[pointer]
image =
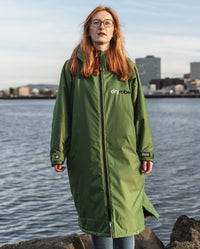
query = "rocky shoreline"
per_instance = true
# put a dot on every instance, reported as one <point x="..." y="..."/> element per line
<point x="185" y="235"/>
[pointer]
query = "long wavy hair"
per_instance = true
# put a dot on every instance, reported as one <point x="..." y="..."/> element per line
<point x="116" y="60"/>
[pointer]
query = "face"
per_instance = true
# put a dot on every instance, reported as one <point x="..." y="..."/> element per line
<point x="101" y="35"/>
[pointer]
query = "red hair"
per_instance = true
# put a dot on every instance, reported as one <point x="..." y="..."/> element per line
<point x="117" y="61"/>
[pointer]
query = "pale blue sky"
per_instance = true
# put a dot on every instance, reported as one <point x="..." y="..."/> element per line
<point x="37" y="36"/>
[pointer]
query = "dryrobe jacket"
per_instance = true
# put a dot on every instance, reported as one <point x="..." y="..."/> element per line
<point x="100" y="125"/>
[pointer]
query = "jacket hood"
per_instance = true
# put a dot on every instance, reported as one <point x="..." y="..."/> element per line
<point x="103" y="55"/>
<point x="81" y="56"/>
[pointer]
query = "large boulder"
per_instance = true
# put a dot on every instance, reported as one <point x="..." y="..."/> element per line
<point x="75" y="241"/>
<point x="185" y="234"/>
<point x="145" y="240"/>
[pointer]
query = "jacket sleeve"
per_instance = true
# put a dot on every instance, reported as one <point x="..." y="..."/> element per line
<point x="60" y="135"/>
<point x="142" y="124"/>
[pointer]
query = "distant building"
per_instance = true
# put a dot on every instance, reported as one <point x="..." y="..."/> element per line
<point x="186" y="76"/>
<point x="35" y="91"/>
<point x="155" y="84"/>
<point x="149" y="68"/>
<point x="4" y="93"/>
<point x="167" y="83"/>
<point x="48" y="92"/>
<point x="24" y="91"/>
<point x="13" y="92"/>
<point x="194" y="70"/>
<point x="194" y="86"/>
<point x="20" y="91"/>
<point x="179" y="88"/>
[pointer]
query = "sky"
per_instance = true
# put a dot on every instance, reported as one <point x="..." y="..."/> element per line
<point x="38" y="36"/>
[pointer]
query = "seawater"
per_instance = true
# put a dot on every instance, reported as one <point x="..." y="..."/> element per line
<point x="36" y="202"/>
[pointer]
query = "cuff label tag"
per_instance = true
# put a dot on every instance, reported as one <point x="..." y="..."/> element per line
<point x="145" y="154"/>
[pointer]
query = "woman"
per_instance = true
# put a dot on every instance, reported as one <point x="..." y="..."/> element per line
<point x="100" y="125"/>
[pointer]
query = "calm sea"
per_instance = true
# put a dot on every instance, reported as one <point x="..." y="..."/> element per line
<point x="35" y="201"/>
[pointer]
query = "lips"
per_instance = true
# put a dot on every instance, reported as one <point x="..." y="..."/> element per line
<point x="102" y="34"/>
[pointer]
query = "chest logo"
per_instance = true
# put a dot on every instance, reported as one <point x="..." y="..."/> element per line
<point x="114" y="91"/>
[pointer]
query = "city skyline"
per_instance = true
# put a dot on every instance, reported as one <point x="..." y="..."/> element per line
<point x="37" y="37"/>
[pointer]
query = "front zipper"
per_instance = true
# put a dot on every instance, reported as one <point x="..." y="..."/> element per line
<point x="103" y="138"/>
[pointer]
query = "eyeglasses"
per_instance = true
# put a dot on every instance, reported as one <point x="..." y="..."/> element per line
<point x="107" y="23"/>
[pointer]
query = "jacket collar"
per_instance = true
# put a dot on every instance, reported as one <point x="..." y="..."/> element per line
<point x="81" y="57"/>
<point x="103" y="55"/>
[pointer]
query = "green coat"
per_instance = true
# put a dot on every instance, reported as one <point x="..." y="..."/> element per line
<point x="100" y="124"/>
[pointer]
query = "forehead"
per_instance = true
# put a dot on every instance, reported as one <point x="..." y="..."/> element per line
<point x="102" y="15"/>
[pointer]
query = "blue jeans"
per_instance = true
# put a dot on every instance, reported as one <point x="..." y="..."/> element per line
<point x="116" y="243"/>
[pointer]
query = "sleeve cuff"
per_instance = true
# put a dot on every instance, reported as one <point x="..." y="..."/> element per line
<point x="146" y="156"/>
<point x="57" y="158"/>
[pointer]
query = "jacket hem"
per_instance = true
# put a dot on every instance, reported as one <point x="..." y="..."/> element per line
<point x="129" y="234"/>
<point x="96" y="233"/>
<point x="148" y="209"/>
<point x="109" y="234"/>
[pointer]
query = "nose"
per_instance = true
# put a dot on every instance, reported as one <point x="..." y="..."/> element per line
<point x="101" y="26"/>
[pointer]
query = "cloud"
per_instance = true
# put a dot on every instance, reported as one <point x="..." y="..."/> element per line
<point x="38" y="36"/>
<point x="176" y="52"/>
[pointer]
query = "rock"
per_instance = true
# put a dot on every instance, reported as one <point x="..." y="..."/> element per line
<point x="75" y="241"/>
<point x="145" y="240"/>
<point x="185" y="234"/>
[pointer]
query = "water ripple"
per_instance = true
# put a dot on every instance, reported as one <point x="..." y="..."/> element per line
<point x="36" y="201"/>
